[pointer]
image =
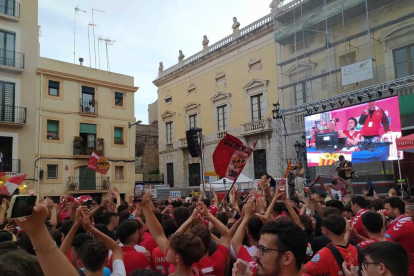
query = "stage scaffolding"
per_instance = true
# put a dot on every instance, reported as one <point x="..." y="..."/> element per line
<point x="314" y="39"/>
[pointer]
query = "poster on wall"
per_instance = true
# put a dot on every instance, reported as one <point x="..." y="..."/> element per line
<point x="357" y="72"/>
<point x="362" y="133"/>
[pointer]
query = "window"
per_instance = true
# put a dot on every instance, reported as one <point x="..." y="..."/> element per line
<point x="259" y="161"/>
<point x="52" y="171"/>
<point x="403" y="60"/>
<point x="302" y="93"/>
<point x="346" y="59"/>
<point x="118" y="136"/>
<point x="88" y="134"/>
<point x="119" y="99"/>
<point x="193" y="121"/>
<point x="257" y="105"/>
<point x="7" y="108"/>
<point x="52" y="130"/>
<point x="53" y="88"/>
<point x="169" y="132"/>
<point x="168" y="100"/>
<point x="88" y="99"/>
<point x="119" y="172"/>
<point x="170" y="174"/>
<point x="194" y="174"/>
<point x="8" y="7"/>
<point x="221" y="117"/>
<point x="7" y="48"/>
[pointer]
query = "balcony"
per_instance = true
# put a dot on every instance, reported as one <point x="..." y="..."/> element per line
<point x="79" y="183"/>
<point x="169" y="146"/>
<point x="11" y="60"/>
<point x="183" y="142"/>
<point x="89" y="107"/>
<point x="10" y="165"/>
<point x="12" y="115"/>
<point x="81" y="148"/>
<point x="10" y="9"/>
<point x="257" y="127"/>
<point x="221" y="134"/>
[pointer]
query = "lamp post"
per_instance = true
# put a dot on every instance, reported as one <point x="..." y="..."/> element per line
<point x="136" y="123"/>
<point x="300" y="149"/>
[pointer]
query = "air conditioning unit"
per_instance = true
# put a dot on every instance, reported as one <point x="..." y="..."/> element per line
<point x="87" y="109"/>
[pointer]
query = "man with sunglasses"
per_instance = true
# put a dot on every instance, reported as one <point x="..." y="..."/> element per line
<point x="383" y="259"/>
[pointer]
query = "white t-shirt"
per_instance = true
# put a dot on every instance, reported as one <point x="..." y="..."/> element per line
<point x="337" y="194"/>
<point x="118" y="268"/>
<point x="251" y="250"/>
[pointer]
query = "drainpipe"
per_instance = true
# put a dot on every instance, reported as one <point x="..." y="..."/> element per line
<point x="39" y="134"/>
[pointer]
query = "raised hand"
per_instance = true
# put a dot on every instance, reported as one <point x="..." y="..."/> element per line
<point x="202" y="209"/>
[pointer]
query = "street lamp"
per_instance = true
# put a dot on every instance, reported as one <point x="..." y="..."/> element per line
<point x="298" y="149"/>
<point x="136" y="123"/>
<point x="275" y="111"/>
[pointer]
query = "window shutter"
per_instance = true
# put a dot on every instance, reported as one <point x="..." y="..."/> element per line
<point x="52" y="126"/>
<point x="87" y="128"/>
<point x="8" y="94"/>
<point x="119" y="95"/>
<point x="118" y="133"/>
<point x="54" y="84"/>
<point x="88" y="90"/>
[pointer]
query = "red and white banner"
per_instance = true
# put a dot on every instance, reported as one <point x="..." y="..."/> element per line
<point x="98" y="164"/>
<point x="9" y="182"/>
<point x="230" y="157"/>
<point x="84" y="198"/>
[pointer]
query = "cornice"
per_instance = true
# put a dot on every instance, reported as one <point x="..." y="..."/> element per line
<point x="123" y="87"/>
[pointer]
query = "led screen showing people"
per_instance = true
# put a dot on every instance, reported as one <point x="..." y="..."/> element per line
<point x="362" y="133"/>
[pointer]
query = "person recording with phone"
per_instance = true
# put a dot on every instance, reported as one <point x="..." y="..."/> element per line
<point x="372" y="120"/>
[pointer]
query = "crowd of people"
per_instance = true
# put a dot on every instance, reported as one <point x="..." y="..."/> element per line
<point x="264" y="233"/>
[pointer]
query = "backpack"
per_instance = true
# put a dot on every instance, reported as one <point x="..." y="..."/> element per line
<point x="339" y="259"/>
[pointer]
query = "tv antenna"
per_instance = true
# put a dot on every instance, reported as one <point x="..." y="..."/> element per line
<point x="107" y="42"/>
<point x="77" y="10"/>
<point x="100" y="39"/>
<point x="89" y="42"/>
<point x="93" y="30"/>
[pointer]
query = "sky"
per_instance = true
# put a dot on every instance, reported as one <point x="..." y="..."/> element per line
<point x="146" y="32"/>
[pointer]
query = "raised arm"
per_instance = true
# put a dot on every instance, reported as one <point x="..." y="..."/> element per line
<point x="153" y="224"/>
<point x="221" y="228"/>
<point x="216" y="199"/>
<point x="237" y="240"/>
<point x="51" y="259"/>
<point x="292" y="212"/>
<point x="67" y="242"/>
<point x="187" y="224"/>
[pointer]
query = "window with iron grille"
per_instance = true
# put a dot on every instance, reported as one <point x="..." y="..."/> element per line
<point x="221" y="117"/>
<point x="52" y="171"/>
<point x="169" y="132"/>
<point x="257" y="105"/>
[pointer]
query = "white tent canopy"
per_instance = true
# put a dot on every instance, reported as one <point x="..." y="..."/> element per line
<point x="243" y="182"/>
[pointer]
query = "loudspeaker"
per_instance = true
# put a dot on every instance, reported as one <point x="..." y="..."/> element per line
<point x="192" y="142"/>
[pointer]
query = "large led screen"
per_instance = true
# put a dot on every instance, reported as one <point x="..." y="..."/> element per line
<point x="361" y="133"/>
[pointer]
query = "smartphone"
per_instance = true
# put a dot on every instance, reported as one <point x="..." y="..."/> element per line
<point x="21" y="206"/>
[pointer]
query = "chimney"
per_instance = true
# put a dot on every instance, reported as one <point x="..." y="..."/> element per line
<point x="81" y="61"/>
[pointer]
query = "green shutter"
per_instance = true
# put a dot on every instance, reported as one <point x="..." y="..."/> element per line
<point x="119" y="95"/>
<point x="87" y="128"/>
<point x="118" y="133"/>
<point x="88" y="90"/>
<point x="52" y="126"/>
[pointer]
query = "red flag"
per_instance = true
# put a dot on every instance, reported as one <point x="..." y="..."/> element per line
<point x="230" y="157"/>
<point x="98" y="164"/>
<point x="9" y="182"/>
<point x="84" y="198"/>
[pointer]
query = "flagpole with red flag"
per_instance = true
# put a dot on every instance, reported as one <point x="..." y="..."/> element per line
<point x="231" y="155"/>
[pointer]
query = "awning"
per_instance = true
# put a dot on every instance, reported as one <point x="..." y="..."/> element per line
<point x="406" y="143"/>
<point x="87" y="128"/>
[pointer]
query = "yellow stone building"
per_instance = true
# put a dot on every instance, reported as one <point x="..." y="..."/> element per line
<point x="19" y="48"/>
<point x="80" y="110"/>
<point x="228" y="87"/>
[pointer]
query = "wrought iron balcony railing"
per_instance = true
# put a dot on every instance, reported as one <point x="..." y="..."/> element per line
<point x="11" y="59"/>
<point x="13" y="114"/>
<point x="79" y="183"/>
<point x="79" y="148"/>
<point x="10" y="165"/>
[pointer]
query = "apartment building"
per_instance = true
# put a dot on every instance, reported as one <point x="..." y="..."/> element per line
<point x="81" y="110"/>
<point x="227" y="87"/>
<point x="19" y="42"/>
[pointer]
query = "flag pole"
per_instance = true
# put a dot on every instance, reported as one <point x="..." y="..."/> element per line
<point x="254" y="146"/>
